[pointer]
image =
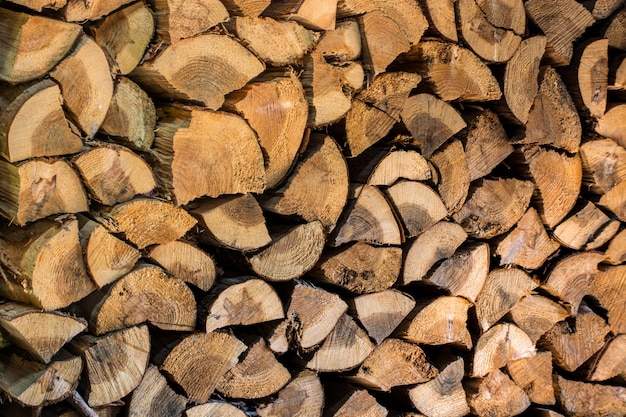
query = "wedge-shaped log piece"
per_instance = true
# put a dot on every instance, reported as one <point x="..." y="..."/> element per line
<point x="86" y="84"/>
<point x="42" y="334"/>
<point x="200" y="69"/>
<point x="303" y="396"/>
<point x="291" y="254"/>
<point x="617" y="74"/>
<point x="369" y="218"/>
<point x="384" y="167"/>
<point x="444" y="395"/>
<point x="33" y="45"/>
<point x="496" y="395"/>
<point x="438" y="321"/>
<point x="611" y="361"/>
<point x="535" y="315"/>
<point x="316" y="15"/>
<point x="280" y="126"/>
<point x="394" y="363"/>
<point x="612" y="124"/>
<point x="534" y="376"/>
<point x="311" y="316"/>
<point x="154" y="397"/>
<point x="502" y="290"/>
<point x="258" y="375"/>
<point x="418" y="206"/>
<point x="455" y="73"/>
<point x="380" y="313"/>
<point x="615" y="201"/>
<point x="44" y="264"/>
<point x="146" y="294"/>
<point x="252" y="8"/>
<point x="39" y="188"/>
<point x="147" y="221"/>
<point x="615" y="31"/>
<point x="494" y="206"/>
<point x="383" y="40"/>
<point x="603" y="9"/>
<point x="124" y="36"/>
<point x="179" y="19"/>
<point x="453" y="173"/>
<point x="584" y="227"/>
<point x="588" y="77"/>
<point x="553" y="119"/>
<point x="580" y="398"/>
<point x="359" y="268"/>
<point x="243" y="302"/>
<point x="214" y="409"/>
<point x="33" y="124"/>
<point x="492" y="29"/>
<point x="114" y="174"/>
<point x="498" y="346"/>
<point x="78" y="10"/>
<point x="317" y="189"/>
<point x="615" y="253"/>
<point x="528" y="244"/>
<point x="604" y="164"/>
<point x="200" y="360"/>
<point x="33" y="384"/>
<point x="465" y="272"/>
<point x="562" y="22"/>
<point x="376" y="109"/>
<point x="341" y="44"/>
<point x="436" y="243"/>
<point x="431" y="121"/>
<point x="572" y="277"/>
<point x="357" y="403"/>
<point x="345" y="348"/>
<point x="187" y="262"/>
<point x="114" y="363"/>
<point x="235" y="222"/>
<point x="39" y="5"/>
<point x="608" y="287"/>
<point x="206" y="153"/>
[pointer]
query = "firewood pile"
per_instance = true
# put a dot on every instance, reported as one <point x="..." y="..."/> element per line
<point x="312" y="208"/>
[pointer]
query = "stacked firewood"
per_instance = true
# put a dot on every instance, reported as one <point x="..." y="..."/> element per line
<point x="312" y="208"/>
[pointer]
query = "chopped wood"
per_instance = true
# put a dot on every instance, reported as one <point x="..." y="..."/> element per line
<point x="39" y="5"/>
<point x="604" y="164"/>
<point x="583" y="227"/>
<point x="154" y="397"/>
<point x="444" y="395"/>
<point x="611" y="361"/>
<point x="383" y="40"/>
<point x="615" y="253"/>
<point x="358" y="403"/>
<point x="498" y="346"/>
<point x="341" y="44"/>
<point x="453" y="173"/>
<point x="605" y="8"/>
<point x="176" y="19"/>
<point x="251" y="8"/>
<point x="536" y="314"/>
<point x="611" y="124"/>
<point x="615" y="31"/>
<point x="417" y="205"/>
<point x="608" y="288"/>
<point x="496" y="395"/>
<point x="214" y="409"/>
<point x="534" y="375"/>
<point x="591" y="77"/>
<point x="78" y="10"/>
<point x="381" y="312"/>
<point x="389" y="166"/>
<point x="186" y="262"/>
<point x="615" y="201"/>
<point x="303" y="396"/>
<point x="316" y="15"/>
<point x="580" y="398"/>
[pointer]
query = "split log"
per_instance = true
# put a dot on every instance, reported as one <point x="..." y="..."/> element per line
<point x="186" y="262"/>
<point x="604" y="165"/>
<point x="611" y="361"/>
<point x="304" y="396"/>
<point x="586" y="227"/>
<point x="453" y="173"/>
<point x="615" y="253"/>
<point x="615" y="201"/>
<point x="535" y="315"/>
<point x="615" y="31"/>
<point x="534" y="375"/>
<point x="498" y="346"/>
<point x="385" y="167"/>
<point x="617" y="75"/>
<point x="200" y="360"/>
<point x="176" y="20"/>
<point x="608" y="288"/>
<point x="417" y="205"/>
<point x="33" y="123"/>
<point x="252" y="8"/>
<point x="39" y="5"/>
<point x="316" y="15"/>
<point x="603" y="9"/>
<point x="383" y="40"/>
<point x="357" y="403"/>
<point x="590" y="80"/>
<point x="42" y="334"/>
<point x="342" y="44"/>
<point x="33" y="45"/>
<point x="214" y="409"/>
<point x="441" y="17"/>
<point x="580" y="398"/>
<point x="78" y="10"/>
<point x="381" y="312"/>
<point x="496" y="395"/>
<point x="444" y="395"/>
<point x="611" y="124"/>
<point x="154" y="397"/>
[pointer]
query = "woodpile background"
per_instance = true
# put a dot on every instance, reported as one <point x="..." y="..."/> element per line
<point x="313" y="208"/>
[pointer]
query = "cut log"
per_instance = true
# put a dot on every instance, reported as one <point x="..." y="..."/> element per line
<point x="44" y="264"/>
<point x="611" y="361"/>
<point x="502" y="290"/>
<point x="256" y="376"/>
<point x="280" y="126"/>
<point x="145" y="294"/>
<point x="385" y="167"/>
<point x="114" y="363"/>
<point x="534" y="376"/>
<point x="494" y="206"/>
<point x="498" y="346"/>
<point x="617" y="75"/>
<point x="243" y="302"/>
<point x="39" y="5"/>
<point x="345" y="348"/>
<point x="615" y="31"/>
<point x="200" y="360"/>
<point x="186" y="262"/>
<point x="383" y="41"/>
<point x="317" y="189"/>
<point x="492" y="29"/>
<point x="584" y="227"/>
<point x="444" y="395"/>
<point x="380" y="313"/>
<point x="39" y="188"/>
<point x="442" y="18"/>
<point x="608" y="288"/>
<point x="562" y="22"/>
<point x="605" y="234"/>
<point x="603" y="9"/>
<point x="615" y="253"/>
<point x="615" y="201"/>
<point x="235" y="222"/>
<point x="154" y="397"/>
<point x="33" y="45"/>
<point x="436" y="243"/>
<point x="33" y="124"/>
<point x="590" y="80"/>
<point x="205" y="153"/>
<point x="496" y="395"/>
<point x="201" y="69"/>
<point x="604" y="165"/>
<point x="359" y="268"/>
<point x="252" y="8"/>
<point x="572" y="277"/>
<point x="357" y="403"/>
<point x="303" y="396"/>
<point x="394" y="363"/>
<point x="311" y="316"/>
<point x="528" y="244"/>
<point x="214" y="409"/>
<point x="113" y="174"/>
<point x="535" y="315"/>
<point x="438" y="321"/>
<point x="124" y="36"/>
<point x="316" y="15"/>
<point x="612" y="124"/>
<point x="341" y="44"/>
<point x="86" y="84"/>
<point x="176" y="19"/>
<point x="580" y="398"/>
<point x="78" y="10"/>
<point x="431" y="121"/>
<point x="146" y="221"/>
<point x="376" y="109"/>
<point x="453" y="174"/>
<point x="42" y="334"/>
